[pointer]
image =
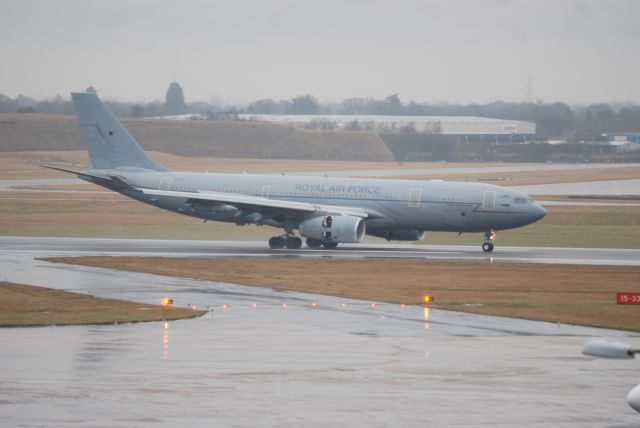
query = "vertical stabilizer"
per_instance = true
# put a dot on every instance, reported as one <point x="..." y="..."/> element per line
<point x="110" y="145"/>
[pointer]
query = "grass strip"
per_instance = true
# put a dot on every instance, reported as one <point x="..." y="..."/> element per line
<point x="572" y="294"/>
<point x="27" y="306"/>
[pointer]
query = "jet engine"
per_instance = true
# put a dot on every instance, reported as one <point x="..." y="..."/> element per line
<point x="334" y="229"/>
<point x="400" y="235"/>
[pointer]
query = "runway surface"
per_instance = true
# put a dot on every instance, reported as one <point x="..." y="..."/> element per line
<point x="605" y="187"/>
<point x="458" y="253"/>
<point x="268" y="358"/>
<point x="444" y="169"/>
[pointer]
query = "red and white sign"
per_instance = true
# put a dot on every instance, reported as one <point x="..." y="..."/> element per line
<point x="628" y="298"/>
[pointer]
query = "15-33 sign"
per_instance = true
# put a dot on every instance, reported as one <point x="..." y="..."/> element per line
<point x="629" y="298"/>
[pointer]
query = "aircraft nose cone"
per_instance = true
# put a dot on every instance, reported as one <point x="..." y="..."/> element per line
<point x="538" y="212"/>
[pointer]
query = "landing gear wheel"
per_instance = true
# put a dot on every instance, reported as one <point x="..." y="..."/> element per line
<point x="313" y="243"/>
<point x="329" y="245"/>
<point x="277" y="242"/>
<point x="293" y="243"/>
<point x="489" y="236"/>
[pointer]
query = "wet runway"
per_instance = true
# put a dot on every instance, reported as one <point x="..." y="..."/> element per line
<point x="175" y="248"/>
<point x="268" y="358"/>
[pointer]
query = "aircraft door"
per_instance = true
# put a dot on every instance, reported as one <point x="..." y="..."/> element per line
<point x="165" y="183"/>
<point x="266" y="189"/>
<point x="415" y="194"/>
<point x="489" y="200"/>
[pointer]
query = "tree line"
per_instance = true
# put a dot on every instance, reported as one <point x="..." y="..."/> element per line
<point x="554" y="121"/>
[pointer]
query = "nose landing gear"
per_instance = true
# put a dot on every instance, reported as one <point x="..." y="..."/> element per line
<point x="489" y="236"/>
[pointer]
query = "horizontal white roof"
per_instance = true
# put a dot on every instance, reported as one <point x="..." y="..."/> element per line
<point x="437" y="124"/>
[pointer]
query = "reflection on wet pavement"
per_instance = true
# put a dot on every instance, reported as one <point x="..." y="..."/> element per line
<point x="263" y="357"/>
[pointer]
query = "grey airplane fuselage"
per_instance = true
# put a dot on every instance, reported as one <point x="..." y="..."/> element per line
<point x="392" y="204"/>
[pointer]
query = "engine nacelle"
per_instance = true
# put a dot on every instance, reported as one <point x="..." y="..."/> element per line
<point x="401" y="235"/>
<point x="336" y="229"/>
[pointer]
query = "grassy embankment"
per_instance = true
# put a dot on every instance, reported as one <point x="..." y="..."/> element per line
<point x="26" y="305"/>
<point x="219" y="138"/>
<point x="584" y="295"/>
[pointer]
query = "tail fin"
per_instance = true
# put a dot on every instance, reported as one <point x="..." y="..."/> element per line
<point x="110" y="145"/>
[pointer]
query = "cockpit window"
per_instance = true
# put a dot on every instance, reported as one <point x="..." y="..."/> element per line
<point x="520" y="200"/>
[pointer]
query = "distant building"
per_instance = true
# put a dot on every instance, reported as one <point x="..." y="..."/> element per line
<point x="631" y="138"/>
<point x="445" y="125"/>
<point x="624" y="143"/>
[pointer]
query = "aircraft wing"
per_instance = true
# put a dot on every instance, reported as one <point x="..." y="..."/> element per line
<point x="257" y="203"/>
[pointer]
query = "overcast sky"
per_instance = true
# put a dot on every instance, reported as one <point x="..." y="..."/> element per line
<point x="578" y="51"/>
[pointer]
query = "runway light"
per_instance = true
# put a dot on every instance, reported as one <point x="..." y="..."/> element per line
<point x="344" y="305"/>
<point x="373" y="306"/>
<point x="402" y="305"/>
<point x="167" y="302"/>
<point x="284" y="304"/>
<point x="253" y="305"/>
<point x="314" y="304"/>
<point x="427" y="299"/>
<point x="194" y="307"/>
<point x="166" y="325"/>
<point x="224" y="306"/>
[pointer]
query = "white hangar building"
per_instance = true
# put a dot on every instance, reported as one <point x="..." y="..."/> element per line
<point x="446" y="125"/>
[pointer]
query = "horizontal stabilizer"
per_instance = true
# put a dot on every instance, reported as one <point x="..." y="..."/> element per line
<point x="81" y="174"/>
<point x="113" y="182"/>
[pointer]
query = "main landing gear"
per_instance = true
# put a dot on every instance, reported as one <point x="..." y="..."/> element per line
<point x="489" y="236"/>
<point x="313" y="243"/>
<point x="293" y="243"/>
<point x="316" y="243"/>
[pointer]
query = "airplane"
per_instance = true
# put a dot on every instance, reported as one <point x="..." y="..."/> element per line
<point x="326" y="211"/>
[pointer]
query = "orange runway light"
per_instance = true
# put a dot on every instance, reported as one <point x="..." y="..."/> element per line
<point x="167" y="302"/>
<point x="427" y="299"/>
